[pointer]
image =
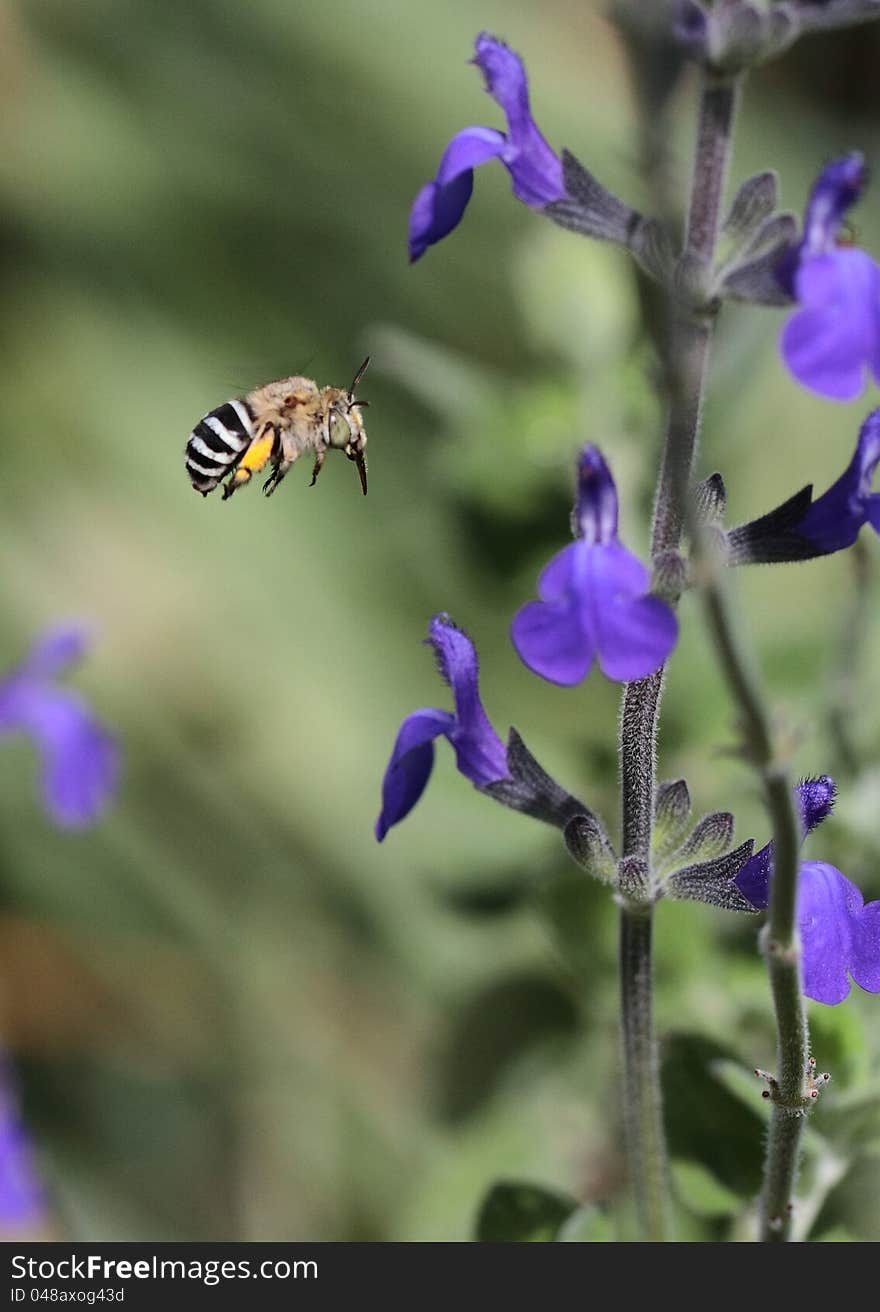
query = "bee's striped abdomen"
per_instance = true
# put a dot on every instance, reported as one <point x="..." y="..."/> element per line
<point x="217" y="443"/>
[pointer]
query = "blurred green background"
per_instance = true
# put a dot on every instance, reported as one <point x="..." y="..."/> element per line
<point x="236" y="1015"/>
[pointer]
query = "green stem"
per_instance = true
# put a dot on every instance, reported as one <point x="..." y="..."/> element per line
<point x="791" y="1093"/>
<point x="691" y="325"/>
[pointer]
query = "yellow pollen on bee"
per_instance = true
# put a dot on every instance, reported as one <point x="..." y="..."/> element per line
<point x="257" y="454"/>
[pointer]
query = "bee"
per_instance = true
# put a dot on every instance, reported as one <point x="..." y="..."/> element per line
<point x="274" y="425"/>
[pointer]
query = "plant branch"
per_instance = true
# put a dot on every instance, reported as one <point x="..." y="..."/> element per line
<point x="690" y="328"/>
<point x="791" y="1091"/>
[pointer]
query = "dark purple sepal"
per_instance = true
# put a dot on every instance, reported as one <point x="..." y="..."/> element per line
<point x="588" y="845"/>
<point x="737" y="34"/>
<point x="714" y="881"/>
<point x="591" y="210"/>
<point x="773" y="539"/>
<point x="528" y="788"/>
<point x="757" y="272"/>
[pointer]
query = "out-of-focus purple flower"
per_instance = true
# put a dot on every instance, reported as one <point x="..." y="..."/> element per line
<point x="22" y="1197"/>
<point x="535" y="170"/>
<point x="80" y="760"/>
<point x="480" y="753"/>
<point x="840" y="936"/>
<point x="594" y="597"/>
<point x="834" y="337"/>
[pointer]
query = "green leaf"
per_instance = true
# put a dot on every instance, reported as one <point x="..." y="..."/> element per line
<point x="707" y="1124"/>
<point x="852" y="1121"/>
<point x="702" y="1192"/>
<point x="587" y="1225"/>
<point x="522" y="1213"/>
<point x="837" y="1037"/>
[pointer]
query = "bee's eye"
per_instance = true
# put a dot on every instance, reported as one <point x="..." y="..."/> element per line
<point x="340" y="430"/>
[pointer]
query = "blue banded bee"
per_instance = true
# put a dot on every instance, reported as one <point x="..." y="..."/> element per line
<point x="274" y="425"/>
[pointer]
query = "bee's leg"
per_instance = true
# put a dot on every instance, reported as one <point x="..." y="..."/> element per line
<point x="279" y="469"/>
<point x="319" y="464"/>
<point x="254" y="459"/>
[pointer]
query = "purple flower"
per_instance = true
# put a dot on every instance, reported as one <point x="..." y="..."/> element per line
<point x="534" y="168"/>
<point x="833" y="521"/>
<point x="835" y="336"/>
<point x="815" y="800"/>
<point x="480" y="753"/>
<point x="79" y="757"/>
<point x="840" y="936"/>
<point x="801" y="528"/>
<point x="22" y="1198"/>
<point x="594" y="597"/>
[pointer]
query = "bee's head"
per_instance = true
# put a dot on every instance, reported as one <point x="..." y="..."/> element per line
<point x="345" y="427"/>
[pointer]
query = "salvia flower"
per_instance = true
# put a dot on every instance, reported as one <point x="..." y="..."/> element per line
<point x="834" y="519"/>
<point x="802" y="528"/>
<point x="830" y="342"/>
<point x="23" y="1204"/>
<point x="80" y="760"/>
<point x="840" y="936"/>
<point x="594" y="603"/>
<point x="535" y="170"/>
<point x="480" y="753"/>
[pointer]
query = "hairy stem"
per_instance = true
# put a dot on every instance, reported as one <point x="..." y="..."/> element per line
<point x="690" y="327"/>
<point x="791" y="1094"/>
<point x="642" y="1109"/>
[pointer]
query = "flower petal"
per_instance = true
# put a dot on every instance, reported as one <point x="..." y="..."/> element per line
<point x="595" y="510"/>
<point x="549" y="635"/>
<point x="22" y="1197"/>
<point x="753" y="880"/>
<point x="440" y="204"/>
<point x="534" y="167"/>
<point x="409" y="769"/>
<point x="828" y="905"/>
<point x="482" y="756"/>
<point x="56" y="651"/>
<point x="835" y="518"/>
<point x="865" y="962"/>
<point x="830" y="341"/>
<point x="836" y="189"/>
<point x="80" y="759"/>
<point x="634" y="633"/>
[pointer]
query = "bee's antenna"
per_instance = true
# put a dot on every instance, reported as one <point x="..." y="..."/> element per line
<point x="358" y="376"/>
